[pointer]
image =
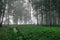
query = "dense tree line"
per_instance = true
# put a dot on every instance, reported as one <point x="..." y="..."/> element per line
<point x="49" y="10"/>
<point x="19" y="10"/>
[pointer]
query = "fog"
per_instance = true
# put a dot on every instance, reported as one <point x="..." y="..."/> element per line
<point x="23" y="9"/>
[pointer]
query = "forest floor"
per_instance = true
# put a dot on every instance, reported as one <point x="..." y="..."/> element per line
<point x="29" y="32"/>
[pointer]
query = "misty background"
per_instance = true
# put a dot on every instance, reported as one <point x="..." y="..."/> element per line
<point x="19" y="12"/>
<point x="32" y="12"/>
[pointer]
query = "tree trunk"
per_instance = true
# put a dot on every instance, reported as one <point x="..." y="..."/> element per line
<point x="3" y="12"/>
<point x="37" y="18"/>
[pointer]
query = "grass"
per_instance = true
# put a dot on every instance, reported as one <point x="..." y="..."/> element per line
<point x="29" y="32"/>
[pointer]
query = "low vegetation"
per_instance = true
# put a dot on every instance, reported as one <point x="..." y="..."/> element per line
<point x="29" y="32"/>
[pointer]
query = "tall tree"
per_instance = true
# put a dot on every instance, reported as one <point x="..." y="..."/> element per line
<point x="2" y="10"/>
<point x="51" y="6"/>
<point x="36" y="6"/>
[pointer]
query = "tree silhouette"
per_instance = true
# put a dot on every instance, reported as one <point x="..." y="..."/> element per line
<point x="51" y="6"/>
<point x="2" y="10"/>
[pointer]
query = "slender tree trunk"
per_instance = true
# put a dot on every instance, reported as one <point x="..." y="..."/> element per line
<point x="57" y="13"/>
<point x="42" y="13"/>
<point x="47" y="14"/>
<point x="8" y="13"/>
<point x="50" y="14"/>
<point x="37" y="18"/>
<point x="3" y="12"/>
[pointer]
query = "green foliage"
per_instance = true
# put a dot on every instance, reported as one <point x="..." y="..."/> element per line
<point x="29" y="32"/>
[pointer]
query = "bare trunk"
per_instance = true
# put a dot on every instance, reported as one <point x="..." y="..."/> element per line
<point x="37" y="18"/>
<point x="3" y="12"/>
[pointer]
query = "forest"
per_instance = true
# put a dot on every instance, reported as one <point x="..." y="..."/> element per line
<point x="42" y="12"/>
<point x="29" y="19"/>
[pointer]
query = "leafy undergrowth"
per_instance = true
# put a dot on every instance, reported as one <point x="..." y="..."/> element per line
<point x="29" y="32"/>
